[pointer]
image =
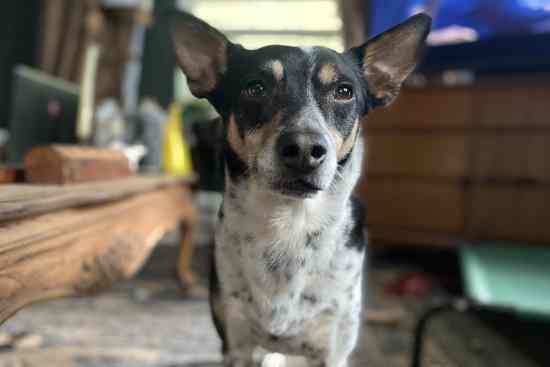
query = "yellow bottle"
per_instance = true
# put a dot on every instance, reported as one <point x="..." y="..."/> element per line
<point x="176" y="159"/>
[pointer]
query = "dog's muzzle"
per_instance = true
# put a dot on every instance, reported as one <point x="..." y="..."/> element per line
<point x="301" y="155"/>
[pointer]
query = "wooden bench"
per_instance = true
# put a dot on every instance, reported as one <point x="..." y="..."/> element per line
<point x="58" y="241"/>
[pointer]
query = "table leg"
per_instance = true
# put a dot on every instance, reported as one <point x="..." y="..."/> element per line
<point x="185" y="274"/>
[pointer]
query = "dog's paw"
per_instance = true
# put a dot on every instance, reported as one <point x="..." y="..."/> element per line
<point x="274" y="360"/>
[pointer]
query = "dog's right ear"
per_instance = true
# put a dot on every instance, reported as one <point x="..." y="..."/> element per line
<point x="201" y="52"/>
<point x="387" y="59"/>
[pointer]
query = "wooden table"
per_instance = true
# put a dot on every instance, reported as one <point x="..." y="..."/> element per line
<point x="58" y="241"/>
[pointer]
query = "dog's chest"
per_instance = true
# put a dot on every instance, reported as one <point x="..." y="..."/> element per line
<point x="282" y="271"/>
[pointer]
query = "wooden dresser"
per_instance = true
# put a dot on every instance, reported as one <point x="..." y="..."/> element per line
<point x="462" y="163"/>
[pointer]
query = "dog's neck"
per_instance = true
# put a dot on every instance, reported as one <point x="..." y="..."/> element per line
<point x="245" y="200"/>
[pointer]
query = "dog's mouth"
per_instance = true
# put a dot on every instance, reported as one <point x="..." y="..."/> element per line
<point x="298" y="188"/>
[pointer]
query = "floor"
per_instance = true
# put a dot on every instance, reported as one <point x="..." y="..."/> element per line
<point x="148" y="322"/>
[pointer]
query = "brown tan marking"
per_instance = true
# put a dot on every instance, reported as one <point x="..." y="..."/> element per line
<point x="346" y="146"/>
<point x="327" y="73"/>
<point x="247" y="148"/>
<point x="235" y="141"/>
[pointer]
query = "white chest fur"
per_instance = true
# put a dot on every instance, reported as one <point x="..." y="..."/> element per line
<point x="283" y="262"/>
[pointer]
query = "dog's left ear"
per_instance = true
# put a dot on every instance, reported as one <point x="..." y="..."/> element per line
<point x="201" y="52"/>
<point x="390" y="57"/>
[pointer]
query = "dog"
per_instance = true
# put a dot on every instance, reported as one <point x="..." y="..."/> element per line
<point x="290" y="240"/>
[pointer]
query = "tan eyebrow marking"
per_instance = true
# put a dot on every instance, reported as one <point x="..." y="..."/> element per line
<point x="327" y="73"/>
<point x="278" y="69"/>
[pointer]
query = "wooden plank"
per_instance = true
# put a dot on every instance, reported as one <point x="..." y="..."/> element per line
<point x="513" y="156"/>
<point x="52" y="29"/>
<point x="18" y="201"/>
<point x="64" y="164"/>
<point x="71" y="39"/>
<point x="7" y="175"/>
<point x="415" y="204"/>
<point x="77" y="251"/>
<point x="416" y="154"/>
<point x="10" y="175"/>
<point x="353" y="24"/>
<point x="432" y="108"/>
<point x="515" y="213"/>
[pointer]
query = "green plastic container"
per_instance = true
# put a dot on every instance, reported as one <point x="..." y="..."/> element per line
<point x="505" y="274"/>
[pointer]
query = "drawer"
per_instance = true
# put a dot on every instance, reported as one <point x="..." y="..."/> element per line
<point x="519" y="213"/>
<point x="390" y="235"/>
<point x="512" y="107"/>
<point x="511" y="156"/>
<point x="416" y="154"/>
<point x="413" y="204"/>
<point x="425" y="108"/>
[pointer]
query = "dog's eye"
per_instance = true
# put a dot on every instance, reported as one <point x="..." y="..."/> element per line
<point x="344" y="92"/>
<point x="254" y="89"/>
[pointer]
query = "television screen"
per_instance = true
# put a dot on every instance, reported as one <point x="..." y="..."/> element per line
<point x="462" y="21"/>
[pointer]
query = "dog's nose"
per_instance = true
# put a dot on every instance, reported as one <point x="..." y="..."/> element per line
<point x="302" y="152"/>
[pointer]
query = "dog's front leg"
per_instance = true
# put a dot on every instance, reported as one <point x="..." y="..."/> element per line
<point x="241" y="344"/>
<point x="316" y="347"/>
<point x="344" y="340"/>
<point x="332" y="344"/>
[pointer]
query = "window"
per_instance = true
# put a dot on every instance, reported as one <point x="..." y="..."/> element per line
<point x="256" y="23"/>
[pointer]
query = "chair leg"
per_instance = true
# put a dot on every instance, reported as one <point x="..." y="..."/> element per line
<point x="462" y="305"/>
<point x="458" y="305"/>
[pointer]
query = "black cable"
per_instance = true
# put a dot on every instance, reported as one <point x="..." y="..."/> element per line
<point x="461" y="305"/>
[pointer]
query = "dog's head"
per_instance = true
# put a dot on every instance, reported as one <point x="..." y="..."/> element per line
<point x="292" y="115"/>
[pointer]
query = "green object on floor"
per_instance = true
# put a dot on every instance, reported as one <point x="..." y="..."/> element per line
<point x="509" y="275"/>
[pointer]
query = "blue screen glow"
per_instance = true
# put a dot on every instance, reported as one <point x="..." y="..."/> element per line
<point x="459" y="21"/>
